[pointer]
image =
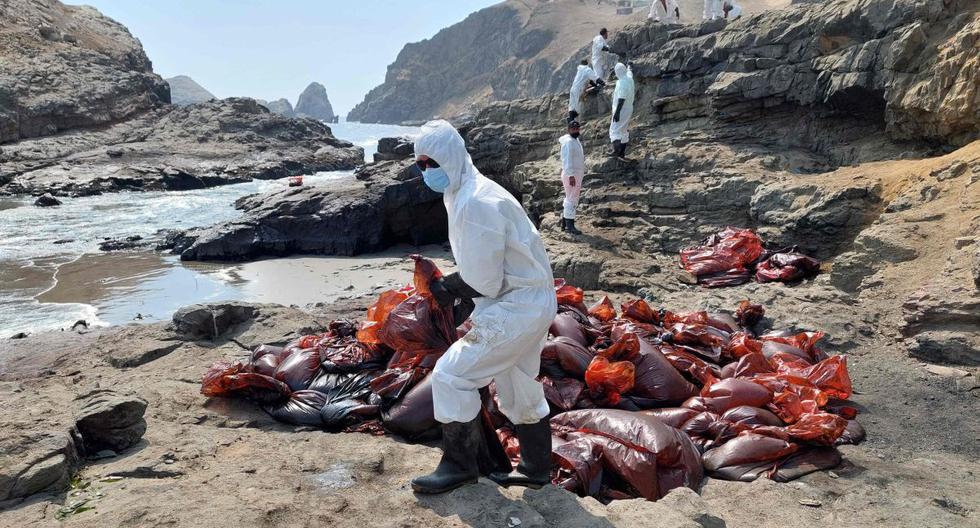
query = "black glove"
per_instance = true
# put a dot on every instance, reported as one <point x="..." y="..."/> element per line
<point x="462" y="311"/>
<point x="455" y="285"/>
<point x="600" y="82"/>
<point x="605" y="48"/>
<point x="616" y="116"/>
<point x="441" y="294"/>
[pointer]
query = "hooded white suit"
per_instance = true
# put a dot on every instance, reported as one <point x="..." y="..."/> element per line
<point x="499" y="254"/>
<point x="625" y="89"/>
<point x="664" y="11"/>
<point x="599" y="57"/>
<point x="583" y="75"/>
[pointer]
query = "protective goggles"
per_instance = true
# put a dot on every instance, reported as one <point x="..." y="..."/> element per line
<point x="426" y="163"/>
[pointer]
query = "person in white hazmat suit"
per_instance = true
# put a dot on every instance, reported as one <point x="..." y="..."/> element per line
<point x="572" y="174"/>
<point x="712" y="9"/>
<point x="731" y="10"/>
<point x="622" y="101"/>
<point x="599" y="49"/>
<point x="666" y="11"/>
<point x="504" y="268"/>
<point x="584" y="75"/>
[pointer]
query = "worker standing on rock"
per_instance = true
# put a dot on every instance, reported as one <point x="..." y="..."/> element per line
<point x="666" y="11"/>
<point x="731" y="10"/>
<point x="585" y="76"/>
<point x="572" y="173"/>
<point x="622" y="101"/>
<point x="504" y="268"/>
<point x="712" y="9"/>
<point x="599" y="49"/>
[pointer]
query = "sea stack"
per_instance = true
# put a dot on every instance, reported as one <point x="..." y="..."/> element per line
<point x="313" y="102"/>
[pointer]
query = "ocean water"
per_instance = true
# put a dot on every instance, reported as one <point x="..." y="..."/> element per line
<point x="52" y="273"/>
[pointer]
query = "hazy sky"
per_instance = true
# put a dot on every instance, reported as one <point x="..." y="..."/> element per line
<point x="271" y="49"/>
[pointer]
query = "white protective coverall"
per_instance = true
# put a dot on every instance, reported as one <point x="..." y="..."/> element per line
<point x="712" y="9"/>
<point x="735" y="12"/>
<point x="572" y="164"/>
<point x="583" y="75"/>
<point x="599" y="57"/>
<point x="625" y="89"/>
<point x="499" y="253"/>
<point x="664" y="11"/>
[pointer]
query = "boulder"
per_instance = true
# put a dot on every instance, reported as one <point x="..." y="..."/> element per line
<point x="386" y="205"/>
<point x="281" y="107"/>
<point x="396" y="148"/>
<point x="211" y="321"/>
<point x="36" y="462"/>
<point x="313" y="102"/>
<point x="46" y="200"/>
<point x="106" y="420"/>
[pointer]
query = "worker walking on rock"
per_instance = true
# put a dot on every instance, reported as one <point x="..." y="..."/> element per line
<point x="599" y="49"/>
<point x="572" y="173"/>
<point x="731" y="10"/>
<point x="585" y="77"/>
<point x="666" y="11"/>
<point x="622" y="102"/>
<point x="504" y="268"/>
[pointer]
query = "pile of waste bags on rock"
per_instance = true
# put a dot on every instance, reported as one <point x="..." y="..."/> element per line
<point x="643" y="400"/>
<point x="734" y="256"/>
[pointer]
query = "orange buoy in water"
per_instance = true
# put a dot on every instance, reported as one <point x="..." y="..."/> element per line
<point x="296" y="181"/>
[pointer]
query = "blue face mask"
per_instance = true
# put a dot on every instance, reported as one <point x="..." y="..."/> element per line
<point x="436" y="179"/>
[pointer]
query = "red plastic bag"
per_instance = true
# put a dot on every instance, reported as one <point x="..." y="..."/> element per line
<point x="831" y="376"/>
<point x="299" y="369"/>
<point x="748" y="314"/>
<point x="569" y="295"/>
<point x="656" y="379"/>
<point x="645" y="453"/>
<point x="639" y="311"/>
<point x="786" y="266"/>
<point x="603" y="310"/>
<point x="607" y="381"/>
<point x="730" y="249"/>
<point x="237" y="379"/>
<point x="566" y="325"/>
<point x="728" y="393"/>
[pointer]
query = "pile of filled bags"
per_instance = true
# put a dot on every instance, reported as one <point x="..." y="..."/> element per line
<point x="643" y="400"/>
<point x="736" y="256"/>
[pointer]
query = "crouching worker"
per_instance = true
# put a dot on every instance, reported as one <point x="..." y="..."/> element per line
<point x="572" y="173"/>
<point x="503" y="266"/>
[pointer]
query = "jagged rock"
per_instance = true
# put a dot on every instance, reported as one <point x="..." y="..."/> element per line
<point x="313" y="102"/>
<point x="34" y="462"/>
<point x="943" y="326"/>
<point x="46" y="200"/>
<point x="185" y="91"/>
<point x="106" y="420"/>
<point x="44" y="88"/>
<point x="387" y="205"/>
<point x="975" y="268"/>
<point x="396" y="148"/>
<point x="178" y="148"/>
<point x="281" y="107"/>
<point x="211" y="321"/>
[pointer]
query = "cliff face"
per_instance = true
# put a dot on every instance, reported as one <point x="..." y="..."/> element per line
<point x="185" y="91"/>
<point x="508" y="51"/>
<point x="44" y="90"/>
<point x="313" y="102"/>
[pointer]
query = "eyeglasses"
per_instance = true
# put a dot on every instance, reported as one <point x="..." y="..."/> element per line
<point x="423" y="164"/>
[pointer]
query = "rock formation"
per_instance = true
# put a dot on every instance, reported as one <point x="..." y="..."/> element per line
<point x="178" y="148"/>
<point x="280" y="106"/>
<point x="314" y="103"/>
<point x="82" y="112"/>
<point x="42" y="88"/>
<point x="185" y="91"/>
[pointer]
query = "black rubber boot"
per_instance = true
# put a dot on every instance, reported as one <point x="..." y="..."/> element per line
<point x="572" y="114"/>
<point x="622" y="150"/>
<point x="564" y="224"/>
<point x="616" y="145"/>
<point x="534" y="471"/>
<point x="458" y="467"/>
<point x="570" y="227"/>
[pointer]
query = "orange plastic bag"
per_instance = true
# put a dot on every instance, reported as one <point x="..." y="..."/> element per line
<point x="603" y="310"/>
<point x="639" y="311"/>
<point x="607" y="381"/>
<point x="567" y="294"/>
<point x="376" y="315"/>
